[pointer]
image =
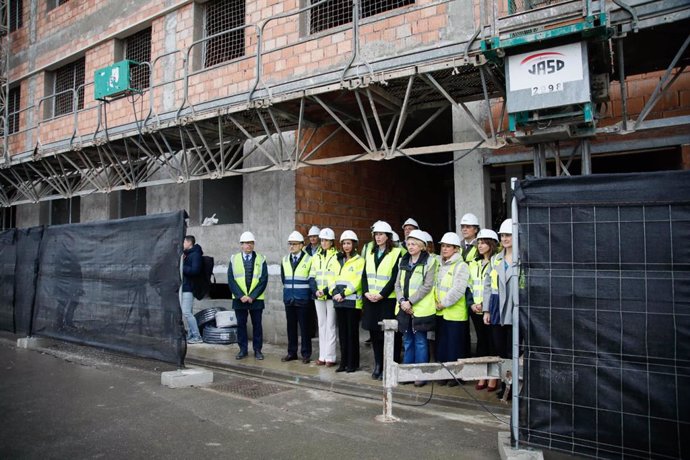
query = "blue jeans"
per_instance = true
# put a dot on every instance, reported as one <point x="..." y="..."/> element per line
<point x="187" y="303"/>
<point x="416" y="347"/>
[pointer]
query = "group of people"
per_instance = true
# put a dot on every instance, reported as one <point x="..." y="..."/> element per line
<point x="387" y="279"/>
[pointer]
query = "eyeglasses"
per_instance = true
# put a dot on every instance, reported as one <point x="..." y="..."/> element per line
<point x="294" y="244"/>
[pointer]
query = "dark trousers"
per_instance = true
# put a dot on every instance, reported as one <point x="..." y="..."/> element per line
<point x="298" y="316"/>
<point x="450" y="340"/>
<point x="347" y="320"/>
<point x="503" y="340"/>
<point x="483" y="331"/>
<point x="257" y="329"/>
<point x="377" y="346"/>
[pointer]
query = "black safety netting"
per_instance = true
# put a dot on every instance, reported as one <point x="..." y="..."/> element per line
<point x="109" y="284"/>
<point x="26" y="273"/>
<point x="605" y="314"/>
<point x="8" y="256"/>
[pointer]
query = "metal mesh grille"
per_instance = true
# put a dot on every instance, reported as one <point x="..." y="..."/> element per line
<point x="69" y="77"/>
<point x="520" y="6"/>
<point x="16" y="9"/>
<point x="13" y="109"/>
<point x="335" y="13"/>
<point x="221" y="16"/>
<point x="138" y="48"/>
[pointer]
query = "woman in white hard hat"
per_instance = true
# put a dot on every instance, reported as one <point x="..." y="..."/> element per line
<point x="313" y="246"/>
<point x="347" y="299"/>
<point x="487" y="242"/>
<point x="416" y="309"/>
<point x="378" y="283"/>
<point x="323" y="268"/>
<point x="499" y="299"/>
<point x="452" y="317"/>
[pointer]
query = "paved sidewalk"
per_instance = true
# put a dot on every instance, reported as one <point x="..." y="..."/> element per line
<point x="358" y="383"/>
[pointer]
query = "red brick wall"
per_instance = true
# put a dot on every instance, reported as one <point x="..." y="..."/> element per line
<point x="355" y="195"/>
<point x="289" y="52"/>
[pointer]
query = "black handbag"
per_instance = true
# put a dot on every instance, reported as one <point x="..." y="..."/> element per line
<point x="424" y="324"/>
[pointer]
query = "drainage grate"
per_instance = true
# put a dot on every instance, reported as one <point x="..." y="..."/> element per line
<point x="248" y="388"/>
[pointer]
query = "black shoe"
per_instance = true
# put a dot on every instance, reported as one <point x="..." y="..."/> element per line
<point x="288" y="358"/>
<point x="241" y="355"/>
<point x="341" y="368"/>
<point x="376" y="375"/>
<point x="350" y="370"/>
<point x="258" y="355"/>
<point x="306" y="359"/>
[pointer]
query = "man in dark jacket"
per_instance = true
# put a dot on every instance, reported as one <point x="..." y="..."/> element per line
<point x="247" y="280"/>
<point x="191" y="269"/>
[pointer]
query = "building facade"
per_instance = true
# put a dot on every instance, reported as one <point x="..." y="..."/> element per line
<point x="277" y="115"/>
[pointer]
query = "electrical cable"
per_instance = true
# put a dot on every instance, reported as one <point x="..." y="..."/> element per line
<point x="426" y="163"/>
<point x="460" y="384"/>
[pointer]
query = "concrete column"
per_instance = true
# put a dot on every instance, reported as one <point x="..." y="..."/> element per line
<point x="472" y="192"/>
<point x="28" y="215"/>
<point x="685" y="158"/>
<point x="95" y="207"/>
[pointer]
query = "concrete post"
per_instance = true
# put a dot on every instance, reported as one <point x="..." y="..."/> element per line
<point x="389" y="364"/>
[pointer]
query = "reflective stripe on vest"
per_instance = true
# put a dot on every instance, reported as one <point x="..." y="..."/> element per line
<point x="238" y="273"/>
<point x="378" y="278"/>
<point x="477" y="274"/>
<point x="322" y="269"/>
<point x="350" y="276"/>
<point x="299" y="280"/>
<point x="457" y="311"/>
<point x="426" y="306"/>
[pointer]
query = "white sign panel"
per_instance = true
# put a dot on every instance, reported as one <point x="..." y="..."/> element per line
<point x="545" y="71"/>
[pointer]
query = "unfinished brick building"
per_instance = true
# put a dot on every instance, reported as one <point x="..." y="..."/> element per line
<point x="276" y="115"/>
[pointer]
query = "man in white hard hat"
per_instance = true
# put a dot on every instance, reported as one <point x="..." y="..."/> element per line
<point x="294" y="272"/>
<point x="409" y="225"/>
<point x="314" y="242"/>
<point x="469" y="227"/>
<point x="247" y="280"/>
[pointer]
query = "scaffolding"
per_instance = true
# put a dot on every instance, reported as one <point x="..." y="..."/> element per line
<point x="383" y="104"/>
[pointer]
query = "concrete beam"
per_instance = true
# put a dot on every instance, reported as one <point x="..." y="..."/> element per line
<point x="32" y="342"/>
<point x="183" y="378"/>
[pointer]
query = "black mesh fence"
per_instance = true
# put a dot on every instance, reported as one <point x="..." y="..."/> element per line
<point x="8" y="256"/>
<point x="109" y="284"/>
<point x="605" y="316"/>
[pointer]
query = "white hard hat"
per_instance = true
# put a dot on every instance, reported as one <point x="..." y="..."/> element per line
<point x="469" y="219"/>
<point x="396" y="237"/>
<point x="412" y="222"/>
<point x="374" y="225"/>
<point x="327" y="234"/>
<point x="314" y="231"/>
<point x="451" y="238"/>
<point x="348" y="235"/>
<point x="487" y="234"/>
<point x="382" y="227"/>
<point x="418" y="235"/>
<point x="295" y="237"/>
<point x="506" y="227"/>
<point x="427" y="237"/>
<point x="247" y="237"/>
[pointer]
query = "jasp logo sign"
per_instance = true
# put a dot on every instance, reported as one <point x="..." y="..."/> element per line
<point x="544" y="63"/>
<point x="551" y="66"/>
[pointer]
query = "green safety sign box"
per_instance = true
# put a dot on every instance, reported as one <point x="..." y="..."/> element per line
<point x="114" y="81"/>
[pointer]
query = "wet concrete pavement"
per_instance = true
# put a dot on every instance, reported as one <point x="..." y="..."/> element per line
<point x="67" y="401"/>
